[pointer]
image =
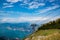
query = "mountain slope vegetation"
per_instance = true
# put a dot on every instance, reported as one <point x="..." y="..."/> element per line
<point x="47" y="31"/>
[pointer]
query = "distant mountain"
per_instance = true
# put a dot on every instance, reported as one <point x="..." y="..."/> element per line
<point x="19" y="30"/>
<point x="14" y="24"/>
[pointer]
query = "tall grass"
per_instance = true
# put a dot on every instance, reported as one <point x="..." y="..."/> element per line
<point x="55" y="36"/>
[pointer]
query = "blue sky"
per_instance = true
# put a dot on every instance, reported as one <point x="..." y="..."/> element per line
<point x="29" y="10"/>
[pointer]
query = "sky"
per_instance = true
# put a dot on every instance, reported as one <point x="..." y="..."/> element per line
<point x="15" y="11"/>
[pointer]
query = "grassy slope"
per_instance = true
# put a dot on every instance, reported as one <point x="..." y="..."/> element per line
<point x="46" y="32"/>
<point x="52" y="33"/>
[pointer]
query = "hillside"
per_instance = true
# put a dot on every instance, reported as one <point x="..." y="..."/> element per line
<point x="51" y="25"/>
<point x="48" y="31"/>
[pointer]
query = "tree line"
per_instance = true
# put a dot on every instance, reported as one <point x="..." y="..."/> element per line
<point x="51" y="25"/>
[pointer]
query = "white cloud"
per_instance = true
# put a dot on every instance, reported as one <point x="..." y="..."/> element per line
<point x="14" y="29"/>
<point x="8" y="6"/>
<point x="56" y="17"/>
<point x="5" y="4"/>
<point x="17" y="38"/>
<point x="52" y="0"/>
<point x="21" y="29"/>
<point x="49" y="9"/>
<point x="30" y="5"/>
<point x="9" y="28"/>
<point x="13" y="1"/>
<point x="28" y="30"/>
<point x="26" y="1"/>
<point x="8" y="19"/>
<point x="23" y="19"/>
<point x="33" y="5"/>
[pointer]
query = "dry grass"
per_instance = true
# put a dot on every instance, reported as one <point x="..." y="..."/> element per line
<point x="53" y="34"/>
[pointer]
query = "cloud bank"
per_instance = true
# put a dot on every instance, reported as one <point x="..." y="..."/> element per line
<point x="23" y="19"/>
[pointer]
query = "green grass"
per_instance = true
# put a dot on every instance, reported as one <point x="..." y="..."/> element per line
<point x="48" y="32"/>
<point x="45" y="32"/>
